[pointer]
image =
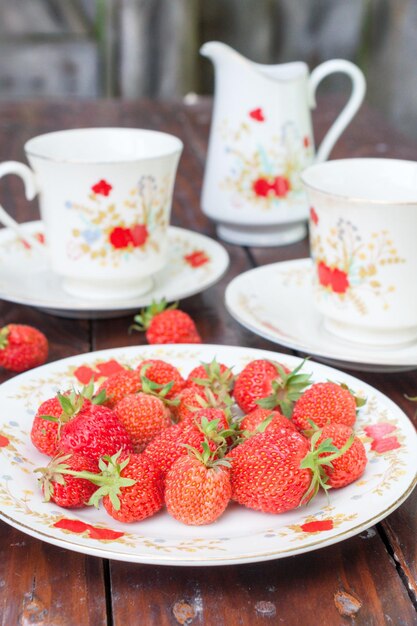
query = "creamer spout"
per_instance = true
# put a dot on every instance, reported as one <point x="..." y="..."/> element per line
<point x="217" y="51"/>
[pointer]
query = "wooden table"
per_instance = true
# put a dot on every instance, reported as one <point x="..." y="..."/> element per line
<point x="371" y="578"/>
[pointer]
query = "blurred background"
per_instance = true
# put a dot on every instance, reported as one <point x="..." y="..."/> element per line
<point x="149" y="48"/>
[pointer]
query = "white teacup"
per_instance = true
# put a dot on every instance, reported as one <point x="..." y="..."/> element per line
<point x="105" y="198"/>
<point x="363" y="236"/>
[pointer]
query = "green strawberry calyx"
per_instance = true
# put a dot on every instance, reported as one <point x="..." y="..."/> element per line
<point x="109" y="480"/>
<point x="317" y="463"/>
<point x="144" y="318"/>
<point x="4" y="334"/>
<point x="286" y="389"/>
<point x="73" y="402"/>
<point x="208" y="457"/>
<point x="151" y="388"/>
<point x="217" y="381"/>
<point x="53" y="473"/>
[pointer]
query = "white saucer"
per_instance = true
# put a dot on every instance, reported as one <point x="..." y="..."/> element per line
<point x="276" y="302"/>
<point x="25" y="277"/>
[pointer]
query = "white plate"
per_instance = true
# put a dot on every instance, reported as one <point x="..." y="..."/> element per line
<point x="25" y="277"/>
<point x="276" y="302"/>
<point x="240" y="535"/>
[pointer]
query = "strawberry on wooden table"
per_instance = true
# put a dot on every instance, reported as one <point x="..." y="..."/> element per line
<point x="22" y="347"/>
<point x="59" y="485"/>
<point x="166" y="324"/>
<point x="197" y="487"/>
<point x="325" y="403"/>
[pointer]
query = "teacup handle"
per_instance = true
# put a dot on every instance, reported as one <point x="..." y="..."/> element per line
<point x="348" y="111"/>
<point x="29" y="180"/>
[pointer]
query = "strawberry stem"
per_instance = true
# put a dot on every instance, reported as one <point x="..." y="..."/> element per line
<point x="144" y="318"/>
<point x="286" y="389"/>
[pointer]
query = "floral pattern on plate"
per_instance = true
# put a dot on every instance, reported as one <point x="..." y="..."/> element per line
<point x="240" y="535"/>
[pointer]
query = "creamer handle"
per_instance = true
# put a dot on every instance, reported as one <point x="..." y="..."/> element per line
<point x="348" y="111"/>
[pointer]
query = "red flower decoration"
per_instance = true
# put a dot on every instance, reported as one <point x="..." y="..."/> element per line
<point x="102" y="188"/>
<point x="120" y="237"/>
<point x="385" y="444"/>
<point x="84" y="374"/>
<point x="109" y="367"/>
<point x="378" y="431"/>
<point x="334" y="278"/>
<point x="324" y="273"/>
<point x="261" y="187"/>
<point x="306" y="141"/>
<point x="281" y="186"/>
<point x="313" y="216"/>
<point x="340" y="281"/>
<point x="319" y="525"/>
<point x="257" y="114"/>
<point x="77" y="526"/>
<point x="197" y="258"/>
<point x="139" y="234"/>
<point x="4" y="441"/>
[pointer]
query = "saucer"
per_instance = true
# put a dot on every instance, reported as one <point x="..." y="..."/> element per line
<point x="195" y="262"/>
<point x="276" y="302"/>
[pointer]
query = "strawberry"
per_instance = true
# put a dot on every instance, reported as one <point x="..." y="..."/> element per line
<point x="22" y="347"/>
<point x="351" y="465"/>
<point x="270" y="385"/>
<point x="266" y="474"/>
<point x="197" y="487"/>
<point x="162" y="373"/>
<point x="256" y="419"/>
<point x="213" y="375"/>
<point x="130" y="485"/>
<point x="119" y="385"/>
<point x="57" y="483"/>
<point x="93" y="432"/>
<point x="55" y="412"/>
<point x="326" y="403"/>
<point x="275" y="472"/>
<point x="166" y="324"/>
<point x="194" y="397"/>
<point x="171" y="443"/>
<point x="144" y="416"/>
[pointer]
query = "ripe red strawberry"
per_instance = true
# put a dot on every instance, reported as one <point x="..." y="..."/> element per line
<point x="210" y="414"/>
<point x="215" y="376"/>
<point x="119" y="385"/>
<point x="22" y="347"/>
<point x="351" y="465"/>
<point x="197" y="488"/>
<point x="254" y="420"/>
<point x="130" y="485"/>
<point x="325" y="403"/>
<point x="166" y="325"/>
<point x="171" y="443"/>
<point x="144" y="416"/>
<point x="161" y="372"/>
<point x="94" y="432"/>
<point x="193" y="398"/>
<point x="166" y="447"/>
<point x="57" y="483"/>
<point x="54" y="412"/>
<point x="270" y="385"/>
<point x="266" y="474"/>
